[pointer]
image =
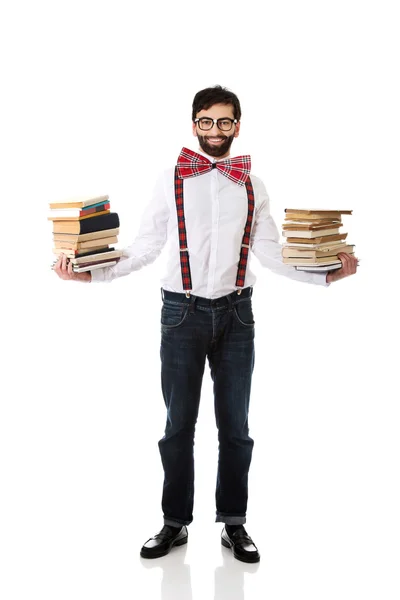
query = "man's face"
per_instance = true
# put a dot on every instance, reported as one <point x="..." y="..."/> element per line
<point x="215" y="142"/>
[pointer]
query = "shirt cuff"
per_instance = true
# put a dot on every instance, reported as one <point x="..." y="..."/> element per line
<point x="98" y="276"/>
<point x="320" y="278"/>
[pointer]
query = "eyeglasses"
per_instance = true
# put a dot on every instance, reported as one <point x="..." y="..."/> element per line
<point x="206" y="123"/>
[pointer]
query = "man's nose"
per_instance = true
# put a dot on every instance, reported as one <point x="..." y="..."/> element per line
<point x="214" y="129"/>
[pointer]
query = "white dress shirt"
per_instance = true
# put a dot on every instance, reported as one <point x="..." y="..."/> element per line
<point x="215" y="216"/>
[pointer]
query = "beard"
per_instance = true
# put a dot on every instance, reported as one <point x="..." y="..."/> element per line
<point x="215" y="151"/>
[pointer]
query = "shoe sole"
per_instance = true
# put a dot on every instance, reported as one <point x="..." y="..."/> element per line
<point x="242" y="558"/>
<point x="164" y="552"/>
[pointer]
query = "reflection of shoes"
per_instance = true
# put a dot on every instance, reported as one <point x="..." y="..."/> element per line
<point x="241" y="544"/>
<point x="161" y="544"/>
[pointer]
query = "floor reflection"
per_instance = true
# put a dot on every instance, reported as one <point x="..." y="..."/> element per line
<point x="229" y="578"/>
<point x="176" y="583"/>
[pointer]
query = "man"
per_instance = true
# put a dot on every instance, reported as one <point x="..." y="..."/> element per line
<point x="211" y="212"/>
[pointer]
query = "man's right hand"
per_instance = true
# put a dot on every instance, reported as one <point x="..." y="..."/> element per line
<point x="63" y="268"/>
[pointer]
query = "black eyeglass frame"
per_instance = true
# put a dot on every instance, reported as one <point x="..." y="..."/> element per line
<point x="215" y="122"/>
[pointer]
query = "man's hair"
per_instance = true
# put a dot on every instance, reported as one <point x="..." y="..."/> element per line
<point x="206" y="98"/>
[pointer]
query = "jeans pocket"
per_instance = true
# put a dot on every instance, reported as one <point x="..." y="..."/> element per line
<point x="243" y="312"/>
<point x="173" y="315"/>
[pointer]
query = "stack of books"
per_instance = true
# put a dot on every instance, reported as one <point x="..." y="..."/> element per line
<point x="83" y="229"/>
<point x="313" y="240"/>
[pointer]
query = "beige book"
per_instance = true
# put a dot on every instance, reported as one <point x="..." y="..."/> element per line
<point x="304" y="220"/>
<point x="71" y="252"/>
<point x="90" y="244"/>
<point x="318" y="211"/>
<point x="301" y="253"/>
<point x="83" y="237"/>
<point x="312" y="246"/>
<point x="317" y="240"/>
<point x="95" y="214"/>
<point x="310" y="226"/>
<point x="331" y="260"/>
<point x="306" y="233"/>
<point x="97" y="257"/>
<point x="110" y="263"/>
<point x="78" y="201"/>
<point x="312" y="217"/>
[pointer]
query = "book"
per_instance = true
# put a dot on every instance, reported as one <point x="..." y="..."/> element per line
<point x="304" y="233"/>
<point x="304" y="225"/>
<point x="313" y="241"/>
<point x="97" y="262"/>
<point x="312" y="261"/>
<point x="79" y="202"/>
<point x="316" y="212"/>
<point x="311" y="246"/>
<point x="87" y="253"/>
<point x="91" y="216"/>
<point x="318" y="268"/>
<point x="85" y="237"/>
<point x="110" y="263"/>
<point x="78" y="212"/>
<point x="318" y="240"/>
<point x="88" y="244"/>
<point x="112" y="254"/>
<point x="329" y="251"/>
<point x="303" y="221"/>
<point x="101" y="251"/>
<point x="84" y="229"/>
<point x="73" y="253"/>
<point x="88" y="225"/>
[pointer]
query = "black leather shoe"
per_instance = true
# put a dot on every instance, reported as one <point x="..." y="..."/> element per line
<point x="161" y="544"/>
<point x="242" y="545"/>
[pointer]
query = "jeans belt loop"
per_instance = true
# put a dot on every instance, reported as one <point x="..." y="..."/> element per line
<point x="230" y="303"/>
<point x="192" y="304"/>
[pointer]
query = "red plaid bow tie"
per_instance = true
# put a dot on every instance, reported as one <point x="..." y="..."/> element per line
<point x="191" y="164"/>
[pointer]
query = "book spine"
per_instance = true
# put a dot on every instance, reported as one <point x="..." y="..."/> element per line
<point x="99" y="223"/>
<point x="93" y="263"/>
<point x="94" y="209"/>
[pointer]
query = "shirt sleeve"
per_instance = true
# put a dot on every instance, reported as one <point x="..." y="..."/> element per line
<point x="149" y="242"/>
<point x="264" y="242"/>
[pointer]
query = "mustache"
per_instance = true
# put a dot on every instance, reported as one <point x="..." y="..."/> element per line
<point x="215" y="149"/>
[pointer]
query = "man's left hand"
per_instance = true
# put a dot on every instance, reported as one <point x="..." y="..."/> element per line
<point x="349" y="267"/>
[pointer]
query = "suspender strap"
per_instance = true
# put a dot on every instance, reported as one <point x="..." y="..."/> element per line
<point x="184" y="252"/>
<point x="185" y="266"/>
<point x="244" y="251"/>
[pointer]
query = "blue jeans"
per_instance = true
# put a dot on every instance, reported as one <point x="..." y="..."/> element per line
<point x="223" y="331"/>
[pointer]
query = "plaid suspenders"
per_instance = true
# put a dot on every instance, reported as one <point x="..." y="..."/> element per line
<point x="184" y="252"/>
<point x="244" y="251"/>
<point x="185" y="266"/>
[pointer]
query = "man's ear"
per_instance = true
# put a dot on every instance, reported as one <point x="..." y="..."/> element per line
<point x="194" y="129"/>
<point x="237" y="129"/>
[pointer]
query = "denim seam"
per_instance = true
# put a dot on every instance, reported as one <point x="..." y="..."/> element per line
<point x="242" y="322"/>
<point x="184" y="316"/>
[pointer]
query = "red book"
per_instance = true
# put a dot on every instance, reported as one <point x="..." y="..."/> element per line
<point x="94" y="209"/>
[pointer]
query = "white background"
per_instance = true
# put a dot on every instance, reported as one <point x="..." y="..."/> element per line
<point x="96" y="98"/>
